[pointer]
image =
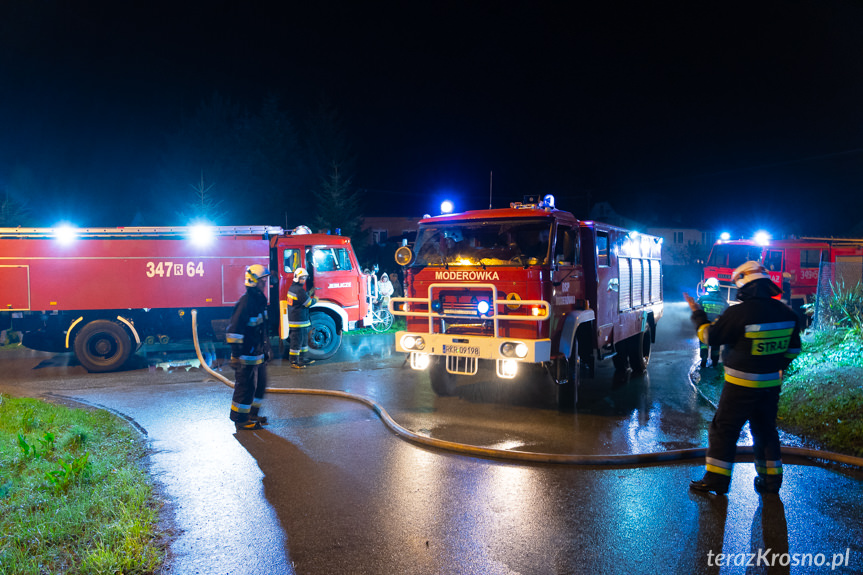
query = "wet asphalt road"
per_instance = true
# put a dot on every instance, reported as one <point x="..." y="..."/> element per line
<point x="326" y="488"/>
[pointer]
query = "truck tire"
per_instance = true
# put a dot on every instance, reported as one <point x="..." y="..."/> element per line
<point x="567" y="393"/>
<point x="639" y="351"/>
<point x="443" y="383"/>
<point x="324" y="339"/>
<point x="102" y="345"/>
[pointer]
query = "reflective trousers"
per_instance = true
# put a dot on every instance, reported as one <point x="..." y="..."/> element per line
<point x="737" y="405"/>
<point x="249" y="389"/>
<point x="299" y="342"/>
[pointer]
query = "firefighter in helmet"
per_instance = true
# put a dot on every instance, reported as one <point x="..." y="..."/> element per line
<point x="713" y="305"/>
<point x="299" y="302"/>
<point x="250" y="350"/>
<point x="761" y="338"/>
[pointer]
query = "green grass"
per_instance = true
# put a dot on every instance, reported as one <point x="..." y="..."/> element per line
<point x="822" y="393"/>
<point x="74" y="497"/>
<point x="399" y="323"/>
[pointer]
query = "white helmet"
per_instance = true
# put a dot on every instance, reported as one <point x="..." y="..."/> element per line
<point x="255" y="273"/>
<point x="300" y="274"/>
<point x="712" y="284"/>
<point x="747" y="272"/>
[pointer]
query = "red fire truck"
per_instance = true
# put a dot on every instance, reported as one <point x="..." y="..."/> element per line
<point x="792" y="264"/>
<point x="103" y="292"/>
<point x="528" y="284"/>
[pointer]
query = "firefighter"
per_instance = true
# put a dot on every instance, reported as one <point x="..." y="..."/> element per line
<point x="299" y="302"/>
<point x="250" y="350"/>
<point x="761" y="338"/>
<point x="713" y="305"/>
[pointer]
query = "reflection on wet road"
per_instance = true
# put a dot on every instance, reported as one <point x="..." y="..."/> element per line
<point x="326" y="488"/>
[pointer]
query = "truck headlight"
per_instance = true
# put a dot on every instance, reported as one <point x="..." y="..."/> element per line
<point x="508" y="368"/>
<point x="413" y="342"/>
<point x="513" y="349"/>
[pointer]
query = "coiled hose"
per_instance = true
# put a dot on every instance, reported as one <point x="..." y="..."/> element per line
<point x="515" y="455"/>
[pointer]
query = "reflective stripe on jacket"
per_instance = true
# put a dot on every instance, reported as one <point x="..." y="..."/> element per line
<point x="761" y="336"/>
<point x="299" y="303"/>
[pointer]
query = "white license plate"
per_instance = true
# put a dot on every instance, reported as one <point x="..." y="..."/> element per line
<point x="461" y="349"/>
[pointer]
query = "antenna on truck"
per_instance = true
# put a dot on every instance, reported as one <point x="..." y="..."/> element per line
<point x="490" y="173"/>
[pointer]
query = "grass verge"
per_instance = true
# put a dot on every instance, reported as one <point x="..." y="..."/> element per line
<point x="74" y="497"/>
<point x="822" y="393"/>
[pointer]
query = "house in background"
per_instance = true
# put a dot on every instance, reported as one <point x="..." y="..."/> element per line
<point x="681" y="246"/>
<point x="381" y="229"/>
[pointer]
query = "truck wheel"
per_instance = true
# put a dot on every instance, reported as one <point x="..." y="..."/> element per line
<point x="324" y="340"/>
<point x="639" y="351"/>
<point x="102" y="346"/>
<point x="443" y="383"/>
<point x="567" y="393"/>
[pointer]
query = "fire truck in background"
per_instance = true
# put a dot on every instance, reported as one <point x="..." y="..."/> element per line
<point x="793" y="264"/>
<point x="527" y="285"/>
<point x="104" y="292"/>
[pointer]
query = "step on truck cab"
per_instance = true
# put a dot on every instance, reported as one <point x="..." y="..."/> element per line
<point x="528" y="284"/>
<point x="103" y="292"/>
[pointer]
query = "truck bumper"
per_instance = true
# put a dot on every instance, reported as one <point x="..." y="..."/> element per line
<point x="465" y="350"/>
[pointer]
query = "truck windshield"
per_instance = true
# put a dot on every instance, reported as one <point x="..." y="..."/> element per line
<point x="731" y="256"/>
<point x="486" y="243"/>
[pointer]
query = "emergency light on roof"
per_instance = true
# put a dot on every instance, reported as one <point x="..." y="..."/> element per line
<point x="65" y="234"/>
<point x="762" y="238"/>
<point x="302" y="230"/>
<point x="201" y="234"/>
<point x="724" y="236"/>
<point x="446" y="207"/>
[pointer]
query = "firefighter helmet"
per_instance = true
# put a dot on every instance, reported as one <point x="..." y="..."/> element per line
<point x="747" y="272"/>
<point x="711" y="285"/>
<point x="300" y="274"/>
<point x="255" y="273"/>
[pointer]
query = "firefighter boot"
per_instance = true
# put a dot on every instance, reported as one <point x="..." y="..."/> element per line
<point x="768" y="483"/>
<point x="711" y="482"/>
<point x="247" y="425"/>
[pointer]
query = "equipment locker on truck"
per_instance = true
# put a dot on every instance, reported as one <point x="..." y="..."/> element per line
<point x="102" y="292"/>
<point x="528" y="284"/>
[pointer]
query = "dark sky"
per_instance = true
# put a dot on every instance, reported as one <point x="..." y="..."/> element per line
<point x="721" y="114"/>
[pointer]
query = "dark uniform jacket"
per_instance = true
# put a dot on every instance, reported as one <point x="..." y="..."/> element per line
<point x="713" y="304"/>
<point x="248" y="333"/>
<point x="761" y="335"/>
<point x="299" y="303"/>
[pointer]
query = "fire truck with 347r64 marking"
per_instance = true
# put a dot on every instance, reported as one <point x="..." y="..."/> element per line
<point x="528" y="284"/>
<point x="103" y="292"/>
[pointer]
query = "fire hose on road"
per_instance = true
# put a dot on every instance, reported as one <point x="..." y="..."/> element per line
<point x="527" y="456"/>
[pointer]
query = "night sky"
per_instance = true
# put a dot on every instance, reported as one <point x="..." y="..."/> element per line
<point x="719" y="115"/>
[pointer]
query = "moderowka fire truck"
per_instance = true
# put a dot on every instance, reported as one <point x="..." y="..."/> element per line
<point x="103" y="292"/>
<point x="528" y="284"/>
<point x="792" y="264"/>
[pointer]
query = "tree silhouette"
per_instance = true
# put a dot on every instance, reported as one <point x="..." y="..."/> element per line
<point x="338" y="206"/>
<point x="13" y="213"/>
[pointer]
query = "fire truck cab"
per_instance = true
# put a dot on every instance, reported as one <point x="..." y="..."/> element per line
<point x="528" y="284"/>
